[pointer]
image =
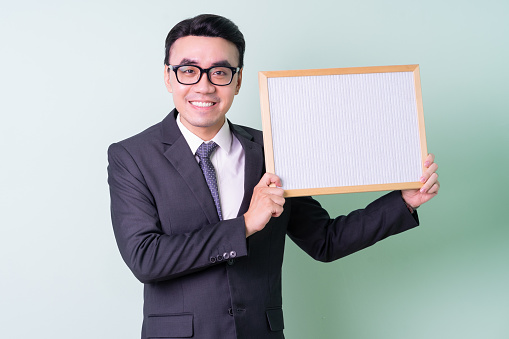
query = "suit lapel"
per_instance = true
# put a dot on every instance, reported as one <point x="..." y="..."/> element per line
<point x="254" y="165"/>
<point x="180" y="156"/>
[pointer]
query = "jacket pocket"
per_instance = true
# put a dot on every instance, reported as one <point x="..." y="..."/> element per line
<point x="275" y="318"/>
<point x="170" y="325"/>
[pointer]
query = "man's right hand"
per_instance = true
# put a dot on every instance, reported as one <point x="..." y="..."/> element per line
<point x="267" y="202"/>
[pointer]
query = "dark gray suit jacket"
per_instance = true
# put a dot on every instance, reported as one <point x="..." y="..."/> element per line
<point x="202" y="278"/>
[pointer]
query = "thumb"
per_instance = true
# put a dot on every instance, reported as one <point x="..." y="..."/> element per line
<point x="270" y="180"/>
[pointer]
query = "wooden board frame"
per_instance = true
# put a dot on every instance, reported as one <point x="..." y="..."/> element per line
<point x="264" y="78"/>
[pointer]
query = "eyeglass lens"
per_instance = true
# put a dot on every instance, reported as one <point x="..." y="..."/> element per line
<point x="217" y="75"/>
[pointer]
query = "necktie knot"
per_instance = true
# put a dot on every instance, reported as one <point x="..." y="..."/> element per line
<point x="205" y="150"/>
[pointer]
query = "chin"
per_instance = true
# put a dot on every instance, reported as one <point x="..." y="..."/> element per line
<point x="205" y="122"/>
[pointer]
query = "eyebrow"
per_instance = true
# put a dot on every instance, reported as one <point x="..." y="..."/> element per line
<point x="187" y="61"/>
<point x="222" y="63"/>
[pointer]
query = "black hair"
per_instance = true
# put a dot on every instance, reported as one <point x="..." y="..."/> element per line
<point x="208" y="25"/>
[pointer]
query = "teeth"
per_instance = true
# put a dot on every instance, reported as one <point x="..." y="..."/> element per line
<point x="202" y="104"/>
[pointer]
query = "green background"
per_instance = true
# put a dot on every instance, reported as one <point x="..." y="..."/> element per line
<point x="77" y="76"/>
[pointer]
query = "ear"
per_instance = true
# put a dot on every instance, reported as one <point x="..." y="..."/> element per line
<point x="167" y="78"/>
<point x="239" y="81"/>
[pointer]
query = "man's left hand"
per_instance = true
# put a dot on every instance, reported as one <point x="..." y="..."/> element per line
<point x="416" y="197"/>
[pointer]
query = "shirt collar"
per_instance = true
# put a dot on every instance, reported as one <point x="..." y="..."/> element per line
<point x="223" y="138"/>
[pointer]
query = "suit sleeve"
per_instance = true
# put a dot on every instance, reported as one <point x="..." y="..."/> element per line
<point x="327" y="239"/>
<point x="151" y="254"/>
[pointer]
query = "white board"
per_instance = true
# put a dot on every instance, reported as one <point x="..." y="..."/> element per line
<point x="344" y="130"/>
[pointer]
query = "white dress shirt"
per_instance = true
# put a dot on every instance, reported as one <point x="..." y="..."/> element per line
<point x="229" y="162"/>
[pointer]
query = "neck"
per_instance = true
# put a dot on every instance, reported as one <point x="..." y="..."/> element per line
<point x="204" y="133"/>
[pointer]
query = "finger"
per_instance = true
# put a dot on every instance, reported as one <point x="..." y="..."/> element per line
<point x="431" y="170"/>
<point x="269" y="191"/>
<point x="434" y="189"/>
<point x="278" y="200"/>
<point x="277" y="211"/>
<point x="428" y="172"/>
<point x="277" y="191"/>
<point x="429" y="183"/>
<point x="268" y="179"/>
<point x="430" y="159"/>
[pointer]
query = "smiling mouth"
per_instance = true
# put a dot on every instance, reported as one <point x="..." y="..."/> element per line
<point x="202" y="103"/>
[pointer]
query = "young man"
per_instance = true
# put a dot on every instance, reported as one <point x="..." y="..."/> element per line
<point x="195" y="216"/>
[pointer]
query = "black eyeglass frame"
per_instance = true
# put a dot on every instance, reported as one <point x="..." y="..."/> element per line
<point x="174" y="68"/>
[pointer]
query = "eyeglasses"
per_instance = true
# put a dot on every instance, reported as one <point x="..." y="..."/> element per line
<point x="190" y="75"/>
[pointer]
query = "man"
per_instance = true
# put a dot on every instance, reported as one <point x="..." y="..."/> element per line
<point x="206" y="233"/>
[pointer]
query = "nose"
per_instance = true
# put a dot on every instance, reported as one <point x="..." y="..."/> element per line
<point x="204" y="85"/>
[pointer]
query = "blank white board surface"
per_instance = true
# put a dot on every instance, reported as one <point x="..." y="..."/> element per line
<point x="354" y="130"/>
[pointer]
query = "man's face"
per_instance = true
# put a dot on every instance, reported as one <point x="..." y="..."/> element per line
<point x="203" y="106"/>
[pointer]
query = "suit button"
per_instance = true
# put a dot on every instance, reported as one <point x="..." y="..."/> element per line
<point x="230" y="311"/>
<point x="219" y="258"/>
<point x="233" y="254"/>
<point x="226" y="256"/>
<point x="212" y="259"/>
<point x="231" y="261"/>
